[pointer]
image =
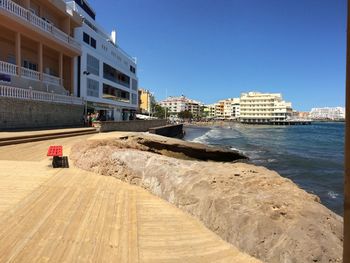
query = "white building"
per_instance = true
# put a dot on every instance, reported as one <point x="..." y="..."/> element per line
<point x="231" y="108"/>
<point x="256" y="107"/>
<point x="336" y="113"/>
<point x="175" y="105"/>
<point x="106" y="75"/>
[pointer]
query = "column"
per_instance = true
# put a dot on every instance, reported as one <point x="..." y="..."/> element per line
<point x="18" y="53"/>
<point x="60" y="67"/>
<point x="72" y="64"/>
<point x="40" y="60"/>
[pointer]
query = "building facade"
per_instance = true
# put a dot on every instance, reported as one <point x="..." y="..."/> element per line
<point x="256" y="107"/>
<point x="106" y="75"/>
<point x="175" y="105"/>
<point x="37" y="45"/>
<point x="328" y="113"/>
<point x="146" y="101"/>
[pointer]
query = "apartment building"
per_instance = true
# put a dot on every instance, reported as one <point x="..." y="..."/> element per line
<point x="256" y="107"/>
<point x="328" y="113"/>
<point x="231" y="108"/>
<point x="106" y="75"/>
<point x="209" y="111"/>
<point x="175" y="105"/>
<point x="37" y="45"/>
<point x="146" y="100"/>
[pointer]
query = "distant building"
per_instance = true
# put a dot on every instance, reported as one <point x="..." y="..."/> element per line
<point x="146" y="99"/>
<point x="327" y="113"/>
<point x="209" y="111"/>
<point x="301" y="115"/>
<point x="256" y="107"/>
<point x="175" y="105"/>
<point x="231" y="108"/>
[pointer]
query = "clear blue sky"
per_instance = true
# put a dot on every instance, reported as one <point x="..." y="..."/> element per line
<point x="214" y="49"/>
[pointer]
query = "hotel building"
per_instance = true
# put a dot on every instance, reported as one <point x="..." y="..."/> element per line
<point x="327" y="113"/>
<point x="175" y="105"/>
<point x="37" y="45"/>
<point x="256" y="107"/>
<point x="106" y="75"/>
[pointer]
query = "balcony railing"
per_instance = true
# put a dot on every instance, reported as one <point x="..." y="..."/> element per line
<point x="8" y="68"/>
<point x="11" y="69"/>
<point x="29" y="94"/>
<point x="33" y="19"/>
<point x="30" y="74"/>
<point x="51" y="79"/>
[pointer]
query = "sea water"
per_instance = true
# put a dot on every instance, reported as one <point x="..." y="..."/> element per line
<point x="312" y="156"/>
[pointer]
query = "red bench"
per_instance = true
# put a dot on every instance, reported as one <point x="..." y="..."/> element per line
<point x="55" y="151"/>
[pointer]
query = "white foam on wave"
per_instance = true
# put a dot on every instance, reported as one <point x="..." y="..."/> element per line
<point x="211" y="134"/>
<point x="332" y="194"/>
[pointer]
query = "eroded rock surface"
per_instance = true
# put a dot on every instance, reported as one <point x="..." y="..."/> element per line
<point x="253" y="208"/>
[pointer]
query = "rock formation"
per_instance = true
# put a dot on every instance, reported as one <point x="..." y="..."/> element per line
<point x="254" y="208"/>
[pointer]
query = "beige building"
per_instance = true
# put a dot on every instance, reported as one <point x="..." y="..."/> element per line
<point x="256" y="107"/>
<point x="175" y="105"/>
<point x="37" y="45"/>
<point x="146" y="99"/>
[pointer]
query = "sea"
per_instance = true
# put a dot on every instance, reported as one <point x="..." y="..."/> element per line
<point x="312" y="156"/>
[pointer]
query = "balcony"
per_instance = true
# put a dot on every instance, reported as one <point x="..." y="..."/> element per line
<point x="13" y="70"/>
<point x="29" y="94"/>
<point x="29" y="17"/>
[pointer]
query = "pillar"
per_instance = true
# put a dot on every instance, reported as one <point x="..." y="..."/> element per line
<point x="346" y="244"/>
<point x="72" y="64"/>
<point x="60" y="67"/>
<point x="40" y="60"/>
<point x="18" y="53"/>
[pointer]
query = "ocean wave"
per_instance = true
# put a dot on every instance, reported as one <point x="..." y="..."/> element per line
<point x="212" y="134"/>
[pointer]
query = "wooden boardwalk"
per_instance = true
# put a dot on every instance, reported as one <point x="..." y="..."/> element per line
<point x="70" y="215"/>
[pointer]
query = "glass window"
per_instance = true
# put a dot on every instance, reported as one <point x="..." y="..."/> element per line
<point x="93" y="65"/>
<point x="92" y="88"/>
<point x="86" y="38"/>
<point x="133" y="99"/>
<point x="113" y="93"/>
<point x="134" y="84"/>
<point x="116" y="76"/>
<point x="93" y="42"/>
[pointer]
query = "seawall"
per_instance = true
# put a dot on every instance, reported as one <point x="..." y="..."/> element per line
<point x="27" y="114"/>
<point x="134" y="126"/>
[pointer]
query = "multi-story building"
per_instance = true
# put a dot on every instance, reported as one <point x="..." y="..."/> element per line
<point x="175" y="105"/>
<point x="256" y="107"/>
<point x="209" y="111"/>
<point x="328" y="113"/>
<point x="37" y="45"/>
<point x="231" y="108"/>
<point x="106" y="75"/>
<point x="146" y="100"/>
<point x="219" y="109"/>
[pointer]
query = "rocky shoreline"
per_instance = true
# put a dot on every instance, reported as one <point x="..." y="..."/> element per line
<point x="253" y="208"/>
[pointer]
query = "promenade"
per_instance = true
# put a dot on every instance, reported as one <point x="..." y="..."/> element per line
<point x="70" y="215"/>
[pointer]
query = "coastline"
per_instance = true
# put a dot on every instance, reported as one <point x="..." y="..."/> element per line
<point x="311" y="156"/>
<point x="249" y="206"/>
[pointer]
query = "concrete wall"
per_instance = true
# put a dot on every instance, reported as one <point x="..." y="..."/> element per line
<point x="19" y="114"/>
<point x="169" y="130"/>
<point x="136" y="126"/>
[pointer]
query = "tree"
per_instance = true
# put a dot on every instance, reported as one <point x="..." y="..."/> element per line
<point x="185" y="114"/>
<point x="158" y="111"/>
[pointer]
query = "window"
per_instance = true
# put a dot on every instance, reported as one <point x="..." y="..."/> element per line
<point x="93" y="65"/>
<point x="116" y="76"/>
<point x="133" y="99"/>
<point x="29" y="65"/>
<point x="86" y="38"/>
<point x="92" y="88"/>
<point x="134" y="84"/>
<point x="93" y="42"/>
<point x="89" y="40"/>
<point x="113" y="93"/>
<point x="132" y="69"/>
